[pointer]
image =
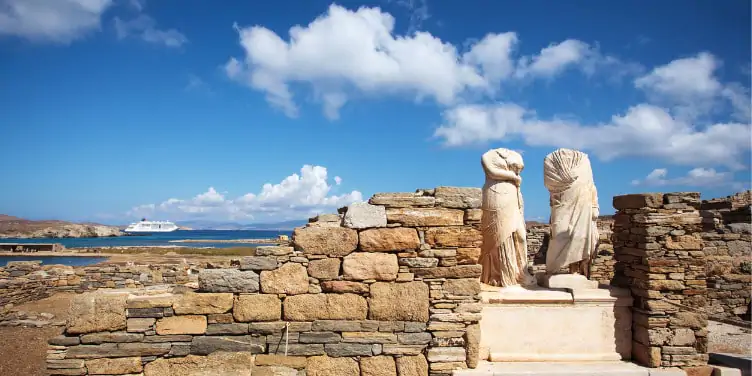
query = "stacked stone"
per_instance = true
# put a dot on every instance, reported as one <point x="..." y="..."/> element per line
<point x="602" y="268"/>
<point x="659" y="255"/>
<point x="537" y="245"/>
<point x="727" y="235"/>
<point x="387" y="288"/>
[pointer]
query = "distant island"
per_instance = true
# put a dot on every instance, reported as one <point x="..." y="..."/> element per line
<point x="14" y="227"/>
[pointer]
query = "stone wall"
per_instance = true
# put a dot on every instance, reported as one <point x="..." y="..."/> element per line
<point x="727" y="234"/>
<point x="387" y="288"/>
<point x="659" y="252"/>
<point x="23" y="281"/>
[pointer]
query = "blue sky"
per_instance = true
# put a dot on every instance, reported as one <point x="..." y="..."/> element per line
<point x="266" y="111"/>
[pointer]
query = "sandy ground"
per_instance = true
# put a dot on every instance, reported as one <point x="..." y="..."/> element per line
<point x="730" y="339"/>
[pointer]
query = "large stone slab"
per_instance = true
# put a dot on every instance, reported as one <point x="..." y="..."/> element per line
<point x="414" y="217"/>
<point x="218" y="363"/>
<point x="290" y="278"/>
<point x="378" y="366"/>
<point x="389" y="239"/>
<point x="401" y="200"/>
<point x="330" y="241"/>
<point x="454" y="237"/>
<point x="562" y="369"/>
<point x="227" y="280"/>
<point x="458" y="197"/>
<point x="327" y="268"/>
<point x="116" y="366"/>
<point x="258" y="262"/>
<point x="97" y="312"/>
<point x="309" y="307"/>
<point x="203" y="303"/>
<point x="362" y="266"/>
<point x="208" y="345"/>
<point x="183" y="324"/>
<point x="329" y="366"/>
<point x="362" y="215"/>
<point x="413" y="301"/>
<point x="259" y="307"/>
<point x="412" y="365"/>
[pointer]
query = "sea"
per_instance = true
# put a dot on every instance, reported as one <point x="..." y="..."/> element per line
<point x="206" y="238"/>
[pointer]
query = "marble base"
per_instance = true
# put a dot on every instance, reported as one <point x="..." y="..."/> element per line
<point x="566" y="281"/>
<point x="566" y="369"/>
<point x="539" y="324"/>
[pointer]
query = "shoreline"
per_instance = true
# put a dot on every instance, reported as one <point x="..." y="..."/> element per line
<point x="239" y="241"/>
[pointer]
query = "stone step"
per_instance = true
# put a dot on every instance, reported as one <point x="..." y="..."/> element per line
<point x="565" y="369"/>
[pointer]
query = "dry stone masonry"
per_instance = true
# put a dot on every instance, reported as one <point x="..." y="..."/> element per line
<point x="388" y="287"/>
<point x="659" y="252"/>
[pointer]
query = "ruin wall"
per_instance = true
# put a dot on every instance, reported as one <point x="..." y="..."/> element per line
<point x="388" y="288"/>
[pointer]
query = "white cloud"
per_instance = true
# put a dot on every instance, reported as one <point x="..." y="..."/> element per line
<point x="144" y="27"/>
<point x="298" y="196"/>
<point x="418" y="13"/>
<point x="643" y="131"/>
<point x="57" y="21"/>
<point x="554" y="58"/>
<point x="697" y="177"/>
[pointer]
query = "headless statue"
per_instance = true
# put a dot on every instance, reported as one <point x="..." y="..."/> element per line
<point x="504" y="250"/>
<point x="568" y="177"/>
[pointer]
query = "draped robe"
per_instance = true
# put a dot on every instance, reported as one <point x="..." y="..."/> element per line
<point x="504" y="249"/>
<point x="568" y="177"/>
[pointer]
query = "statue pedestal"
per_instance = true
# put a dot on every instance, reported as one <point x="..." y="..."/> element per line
<point x="541" y="324"/>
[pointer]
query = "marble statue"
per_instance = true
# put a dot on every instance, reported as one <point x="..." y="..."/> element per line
<point x="504" y="250"/>
<point x="568" y="176"/>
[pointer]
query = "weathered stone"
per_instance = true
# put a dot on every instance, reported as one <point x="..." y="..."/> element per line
<point x="326" y="217"/>
<point x="401" y="200"/>
<point x="150" y="301"/>
<point x="460" y="271"/>
<point x="458" y="197"/>
<point x="348" y="349"/>
<point x="297" y="349"/>
<point x="364" y="266"/>
<point x="227" y="280"/>
<point x="689" y="320"/>
<point x="468" y="256"/>
<point x="390" y="349"/>
<point x="272" y="250"/>
<point x="378" y="366"/>
<point x="361" y="215"/>
<point x="472" y="345"/>
<point x="345" y="326"/>
<point x="116" y="366"/>
<point x="683" y="337"/>
<point x="413" y="301"/>
<point x="110" y="337"/>
<point x="320" y="337"/>
<point x="412" y="366"/>
<point x="274" y="371"/>
<point x="145" y="312"/>
<point x="169" y="338"/>
<point x="344" y="286"/>
<point x="258" y="263"/>
<point x="65" y="363"/>
<point x="187" y="324"/>
<point x="277" y="327"/>
<point x="290" y="278"/>
<point x="369" y="337"/>
<point x="413" y="217"/>
<point x="207" y="345"/>
<point x="96" y="312"/>
<point x="203" y="303"/>
<point x="226" y="329"/>
<point x="112" y="350"/>
<point x="328" y="366"/>
<point x="139" y="325"/>
<point x="220" y="318"/>
<point x="446" y="354"/>
<point x="327" y="268"/>
<point x="454" y="237"/>
<point x="219" y="363"/>
<point x="330" y="241"/>
<point x="389" y="239"/>
<point x="63" y="340"/>
<point x="638" y="201"/>
<point x="415" y="327"/>
<point x="414" y="338"/>
<point x="473" y="215"/>
<point x="69" y="372"/>
<point x="259" y="307"/>
<point x="309" y="307"/>
<point x="465" y="286"/>
<point x="297" y="362"/>
<point x="419" y="262"/>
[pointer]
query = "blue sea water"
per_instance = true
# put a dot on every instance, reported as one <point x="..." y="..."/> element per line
<point x="162" y="239"/>
<point x="58" y="260"/>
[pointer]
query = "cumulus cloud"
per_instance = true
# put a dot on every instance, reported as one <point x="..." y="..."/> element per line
<point x="296" y="197"/>
<point x="344" y="50"/>
<point x="56" y="21"/>
<point x="696" y="177"/>
<point x="145" y="28"/>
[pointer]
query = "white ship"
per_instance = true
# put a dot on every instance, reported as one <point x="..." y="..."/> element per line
<point x="151" y="226"/>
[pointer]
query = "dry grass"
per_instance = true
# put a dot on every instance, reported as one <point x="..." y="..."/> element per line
<point x="232" y="251"/>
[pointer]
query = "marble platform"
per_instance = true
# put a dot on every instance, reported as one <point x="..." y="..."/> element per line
<point x="574" y="322"/>
<point x="566" y="369"/>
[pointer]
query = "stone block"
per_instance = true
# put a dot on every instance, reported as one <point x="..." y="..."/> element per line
<point x="414" y="338"/>
<point x="345" y="326"/>
<point x="362" y="215"/>
<point x="369" y="337"/>
<point x="412" y="366"/>
<point x="63" y="340"/>
<point x="468" y="256"/>
<point x="348" y="349"/>
<point x="401" y="350"/>
<point x="330" y="241"/>
<point x="419" y="262"/>
<point x="203" y="303"/>
<point x="227" y="329"/>
<point x="219" y="363"/>
<point x="378" y="366"/>
<point x="344" y="287"/>
<point x="118" y="350"/>
<point x="297" y="362"/>
<point x="208" y="345"/>
<point x="454" y="237"/>
<point x="139" y="325"/>
<point x="258" y="263"/>
<point x="272" y="250"/>
<point x="320" y="337"/>
<point x="414" y="217"/>
<point x="150" y="301"/>
<point x="110" y="337"/>
<point x="297" y="349"/>
<point x="329" y="366"/>
<point x="413" y="301"/>
<point x="187" y="324"/>
<point x="327" y="268"/>
<point x="459" y="271"/>
<point x="446" y="354"/>
<point x="472" y="345"/>
<point x="464" y="286"/>
<point x="227" y="280"/>
<point x="259" y="307"/>
<point x="473" y="215"/>
<point x="290" y="279"/>
<point x="310" y="307"/>
<point x="389" y="239"/>
<point x="638" y="201"/>
<point x="401" y="200"/>
<point x="458" y="197"/>
<point x="274" y="371"/>
<point x="116" y="366"/>
<point x="365" y="266"/>
<point x="96" y="312"/>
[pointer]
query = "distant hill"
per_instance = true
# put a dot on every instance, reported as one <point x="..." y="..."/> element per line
<point x="215" y="225"/>
<point x="15" y="227"/>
